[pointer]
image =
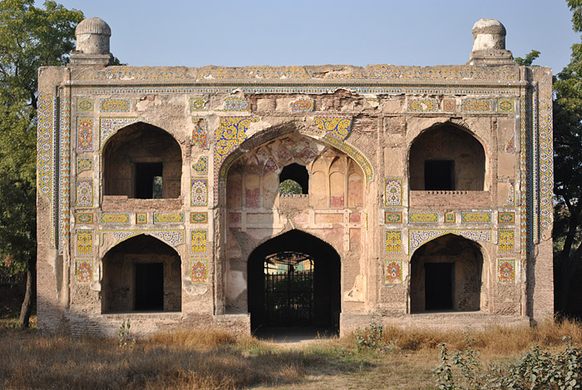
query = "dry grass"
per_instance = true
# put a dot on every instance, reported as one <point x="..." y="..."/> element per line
<point x="491" y="341"/>
<point x="219" y="360"/>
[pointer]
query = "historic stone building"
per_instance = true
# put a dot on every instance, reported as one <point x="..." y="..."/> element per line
<point x="411" y="195"/>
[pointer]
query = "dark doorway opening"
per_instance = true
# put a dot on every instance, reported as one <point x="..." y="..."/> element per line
<point x="439" y="175"/>
<point x="288" y="288"/>
<point x="148" y="180"/>
<point x="149" y="287"/>
<point x="294" y="281"/>
<point x="296" y="173"/>
<point x="439" y="280"/>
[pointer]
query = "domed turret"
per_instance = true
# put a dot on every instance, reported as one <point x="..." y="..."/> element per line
<point x="92" y="43"/>
<point x="489" y="44"/>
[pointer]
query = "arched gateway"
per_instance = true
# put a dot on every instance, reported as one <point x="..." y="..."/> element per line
<point x="294" y="280"/>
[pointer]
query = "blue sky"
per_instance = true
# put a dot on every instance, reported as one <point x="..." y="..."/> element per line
<point x="306" y="32"/>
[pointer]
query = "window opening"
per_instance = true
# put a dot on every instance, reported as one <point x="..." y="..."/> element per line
<point x="148" y="180"/>
<point x="149" y="286"/>
<point x="294" y="180"/>
<point x="439" y="286"/>
<point x="439" y="175"/>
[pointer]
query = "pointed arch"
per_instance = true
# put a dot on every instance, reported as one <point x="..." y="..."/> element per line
<point x="449" y="273"/>
<point x="315" y="292"/>
<point x="447" y="157"/>
<point x="143" y="161"/>
<point x="141" y="273"/>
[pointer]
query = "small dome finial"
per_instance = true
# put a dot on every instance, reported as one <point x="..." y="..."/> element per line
<point x="489" y="44"/>
<point x="93" y="36"/>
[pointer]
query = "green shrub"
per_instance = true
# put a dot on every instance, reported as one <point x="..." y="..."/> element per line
<point x="537" y="369"/>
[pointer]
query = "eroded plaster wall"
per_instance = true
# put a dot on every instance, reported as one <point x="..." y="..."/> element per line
<point x="236" y="130"/>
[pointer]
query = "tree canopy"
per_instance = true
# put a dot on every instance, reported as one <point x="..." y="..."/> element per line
<point x="568" y="167"/>
<point x="30" y="37"/>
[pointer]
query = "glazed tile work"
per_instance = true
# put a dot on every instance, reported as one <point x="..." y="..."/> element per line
<point x="402" y="173"/>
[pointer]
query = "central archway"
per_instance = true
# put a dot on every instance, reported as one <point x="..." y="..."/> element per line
<point x="294" y="281"/>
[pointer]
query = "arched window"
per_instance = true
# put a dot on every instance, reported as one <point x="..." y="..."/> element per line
<point x="141" y="274"/>
<point x="294" y="179"/>
<point x="446" y="158"/>
<point x="447" y="275"/>
<point x="142" y="161"/>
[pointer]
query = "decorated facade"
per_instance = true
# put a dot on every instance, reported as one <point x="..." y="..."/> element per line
<point x="422" y="195"/>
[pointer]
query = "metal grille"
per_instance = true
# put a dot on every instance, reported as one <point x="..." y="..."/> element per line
<point x="288" y="288"/>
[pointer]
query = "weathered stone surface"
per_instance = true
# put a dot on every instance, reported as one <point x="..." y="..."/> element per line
<point x="190" y="160"/>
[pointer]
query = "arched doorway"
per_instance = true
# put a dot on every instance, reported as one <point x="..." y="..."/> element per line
<point x="446" y="158"/>
<point x="294" y="281"/>
<point x="142" y="161"/>
<point x="141" y="274"/>
<point x="448" y="274"/>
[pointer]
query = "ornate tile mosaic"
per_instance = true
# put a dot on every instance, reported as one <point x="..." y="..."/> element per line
<point x="546" y="165"/>
<point x="168" y="217"/>
<point x="141" y="218"/>
<point x="235" y="104"/>
<point x="84" y="193"/>
<point x="114" y="218"/>
<point x="200" y="167"/>
<point x="393" y="192"/>
<point x="423" y="217"/>
<point x="200" y="133"/>
<point x="449" y="105"/>
<point x="115" y="105"/>
<point x="419" y="237"/>
<point x="475" y="216"/>
<point x="170" y="237"/>
<point x="231" y="132"/>
<point x="199" y="192"/>
<point x="450" y="217"/>
<point x="506" y="240"/>
<point x="393" y="241"/>
<point x="303" y="104"/>
<point x="199" y="217"/>
<point x="506" y="217"/>
<point x="83" y="271"/>
<point x="199" y="270"/>
<point x="198" y="103"/>
<point x="84" y="135"/>
<point x="84" y="105"/>
<point x="392" y="217"/>
<point x="45" y="145"/>
<point x="85" y="218"/>
<point x="84" y="164"/>
<point x="478" y="105"/>
<point x="62" y="205"/>
<point x="506" y="105"/>
<point x="199" y="241"/>
<point x="423" y="105"/>
<point x="506" y="270"/>
<point x="336" y="127"/>
<point x="108" y="127"/>
<point x="393" y="272"/>
<point x="84" y="243"/>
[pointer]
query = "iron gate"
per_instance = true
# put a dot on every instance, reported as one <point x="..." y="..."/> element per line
<point x="288" y="288"/>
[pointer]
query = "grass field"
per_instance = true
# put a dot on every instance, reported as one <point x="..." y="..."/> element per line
<point x="401" y="359"/>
